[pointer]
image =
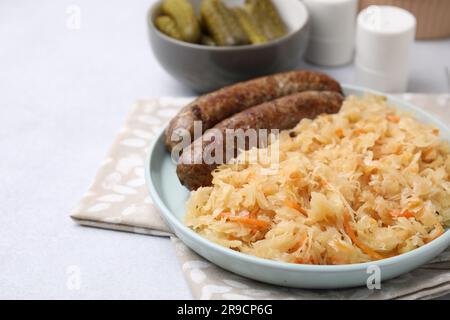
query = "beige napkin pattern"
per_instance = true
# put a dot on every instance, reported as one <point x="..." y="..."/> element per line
<point x="118" y="199"/>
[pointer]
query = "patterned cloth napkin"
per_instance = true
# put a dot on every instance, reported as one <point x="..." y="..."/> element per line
<point x="118" y="200"/>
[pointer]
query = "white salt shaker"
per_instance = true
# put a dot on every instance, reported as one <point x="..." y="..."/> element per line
<point x="384" y="37"/>
<point x="332" y="31"/>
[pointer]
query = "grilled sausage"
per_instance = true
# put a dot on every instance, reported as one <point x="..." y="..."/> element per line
<point x="282" y="113"/>
<point x="214" y="107"/>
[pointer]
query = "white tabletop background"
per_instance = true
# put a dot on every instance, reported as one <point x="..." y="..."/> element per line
<point x="63" y="96"/>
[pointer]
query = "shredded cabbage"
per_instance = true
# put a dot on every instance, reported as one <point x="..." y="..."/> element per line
<point x="363" y="184"/>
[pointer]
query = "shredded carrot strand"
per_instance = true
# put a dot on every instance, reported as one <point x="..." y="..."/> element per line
<point x="254" y="213"/>
<point x="294" y="205"/>
<point x="303" y="261"/>
<point x="405" y="214"/>
<point x="393" y="118"/>
<point x="231" y="237"/>
<point x="339" y="132"/>
<point x="250" y="222"/>
<point x="244" y="220"/>
<point x="300" y="261"/>
<point x="359" y="131"/>
<point x="294" y="175"/>
<point x="369" y="251"/>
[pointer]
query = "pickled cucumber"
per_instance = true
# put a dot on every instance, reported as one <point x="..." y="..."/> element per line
<point x="216" y="23"/>
<point x="182" y="13"/>
<point x="267" y="18"/>
<point x="250" y="26"/>
<point x="207" y="40"/>
<point x="233" y="24"/>
<point x="259" y="22"/>
<point x="167" y="25"/>
<point x="277" y="25"/>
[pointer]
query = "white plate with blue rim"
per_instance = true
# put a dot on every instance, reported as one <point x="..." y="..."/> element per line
<point x="170" y="198"/>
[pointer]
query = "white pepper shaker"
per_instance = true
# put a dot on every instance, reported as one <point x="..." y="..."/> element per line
<point x="384" y="37"/>
<point x="332" y="31"/>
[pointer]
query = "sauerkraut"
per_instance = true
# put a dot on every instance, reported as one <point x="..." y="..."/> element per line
<point x="364" y="184"/>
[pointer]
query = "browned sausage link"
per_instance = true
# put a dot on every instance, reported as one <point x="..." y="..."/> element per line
<point x="216" y="106"/>
<point x="282" y="113"/>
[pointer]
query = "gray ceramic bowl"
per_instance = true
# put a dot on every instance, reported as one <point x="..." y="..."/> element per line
<point x="205" y="68"/>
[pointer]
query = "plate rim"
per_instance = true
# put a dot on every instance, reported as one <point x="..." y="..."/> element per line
<point x="176" y="225"/>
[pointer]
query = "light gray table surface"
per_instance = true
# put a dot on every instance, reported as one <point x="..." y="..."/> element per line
<point x="63" y="96"/>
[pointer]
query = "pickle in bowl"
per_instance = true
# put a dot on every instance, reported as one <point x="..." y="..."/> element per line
<point x="225" y="56"/>
<point x="217" y="24"/>
<point x="250" y="26"/>
<point x="267" y="18"/>
<point x="233" y="24"/>
<point x="183" y="15"/>
<point x="216" y="21"/>
<point x="167" y="25"/>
